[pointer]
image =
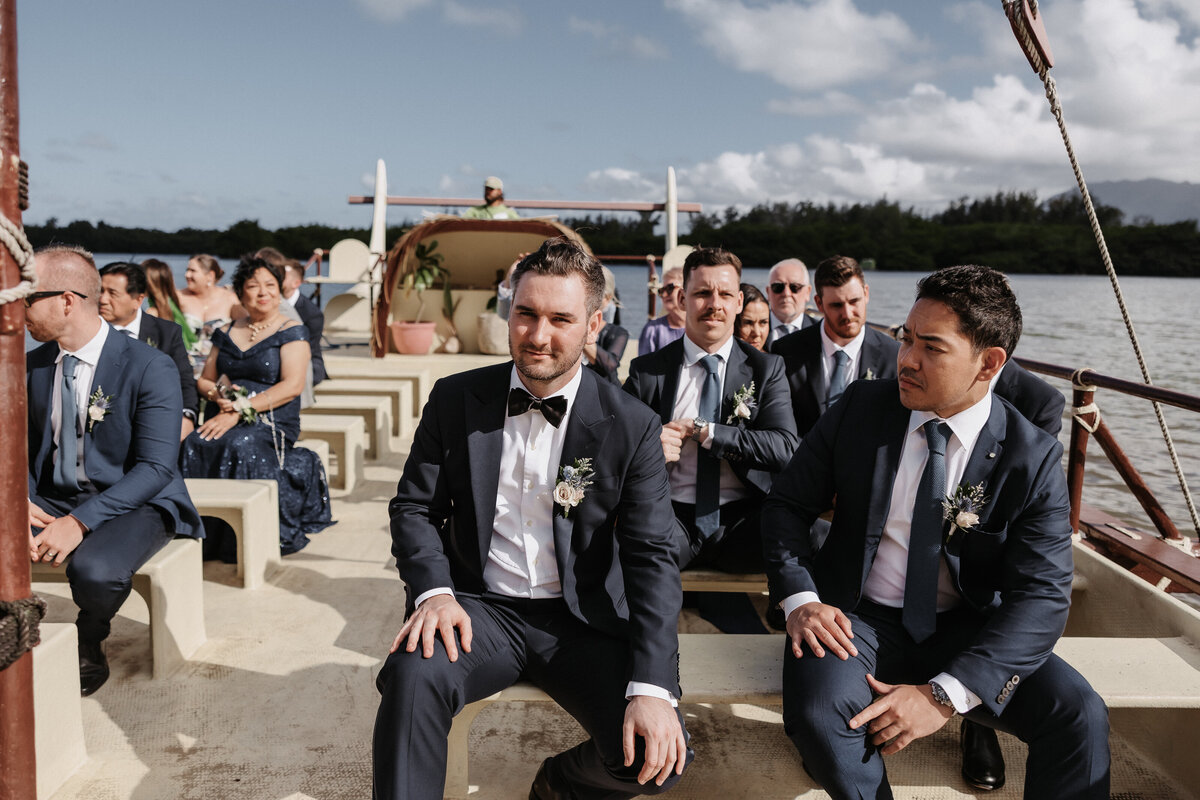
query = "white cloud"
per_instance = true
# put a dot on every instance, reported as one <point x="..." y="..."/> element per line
<point x="616" y="40"/>
<point x="804" y="46"/>
<point x="827" y="104"/>
<point x="623" y="184"/>
<point x="501" y="20"/>
<point x="391" y="10"/>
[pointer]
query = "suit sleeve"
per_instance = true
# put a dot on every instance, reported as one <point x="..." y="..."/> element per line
<point x="173" y="346"/>
<point x="422" y="506"/>
<point x="645" y="523"/>
<point x="1035" y="590"/>
<point x="315" y="322"/>
<point x="608" y="353"/>
<point x="156" y="408"/>
<point x="768" y="440"/>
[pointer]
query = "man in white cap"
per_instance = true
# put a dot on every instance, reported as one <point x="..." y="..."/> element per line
<point x="493" y="202"/>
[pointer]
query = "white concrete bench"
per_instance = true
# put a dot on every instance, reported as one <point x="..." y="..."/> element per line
<point x="251" y="508"/>
<point x="172" y="585"/>
<point x="722" y="669"/>
<point x="398" y="392"/>
<point x="418" y="378"/>
<point x="57" y="707"/>
<point x="347" y="439"/>
<point x="376" y="414"/>
<point x="321" y="448"/>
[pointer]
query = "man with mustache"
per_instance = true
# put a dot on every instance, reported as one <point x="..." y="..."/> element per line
<point x="726" y="414"/>
<point x="945" y="579"/>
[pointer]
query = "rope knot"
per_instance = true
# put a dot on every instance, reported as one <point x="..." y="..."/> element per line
<point x="19" y="627"/>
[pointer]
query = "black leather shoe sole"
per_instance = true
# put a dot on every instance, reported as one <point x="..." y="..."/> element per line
<point x="983" y="763"/>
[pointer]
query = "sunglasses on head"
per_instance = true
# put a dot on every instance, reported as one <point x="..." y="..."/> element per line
<point x="778" y="287"/>
<point x="30" y="299"/>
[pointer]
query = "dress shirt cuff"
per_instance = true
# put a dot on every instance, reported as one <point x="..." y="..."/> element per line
<point x="962" y="697"/>
<point x="421" y="598"/>
<point x="635" y="688"/>
<point x="792" y="602"/>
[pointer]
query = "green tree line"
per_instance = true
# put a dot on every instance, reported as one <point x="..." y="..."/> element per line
<point x="1011" y="231"/>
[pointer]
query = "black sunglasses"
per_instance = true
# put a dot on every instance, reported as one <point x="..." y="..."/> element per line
<point x="33" y="298"/>
<point x="670" y="287"/>
<point x="777" y="287"/>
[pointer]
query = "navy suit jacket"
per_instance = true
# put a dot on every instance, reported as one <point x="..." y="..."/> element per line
<point x="1013" y="568"/>
<point x="313" y="319"/>
<point x="615" y="552"/>
<point x="1038" y="401"/>
<point x="131" y="454"/>
<point x="756" y="448"/>
<point x="802" y="354"/>
<point x="167" y="336"/>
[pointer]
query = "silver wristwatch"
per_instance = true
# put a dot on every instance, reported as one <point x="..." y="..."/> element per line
<point x="699" y="426"/>
<point x="940" y="695"/>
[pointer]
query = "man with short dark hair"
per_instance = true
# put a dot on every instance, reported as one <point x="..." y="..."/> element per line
<point x="122" y="290"/>
<point x="822" y="360"/>
<point x="104" y="482"/>
<point x="310" y="314"/>
<point x="533" y="533"/>
<point x="945" y="580"/>
<point x="726" y="417"/>
<point x="787" y="295"/>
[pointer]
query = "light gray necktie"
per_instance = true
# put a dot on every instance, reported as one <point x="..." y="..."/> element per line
<point x="68" y="431"/>
<point x="837" y="381"/>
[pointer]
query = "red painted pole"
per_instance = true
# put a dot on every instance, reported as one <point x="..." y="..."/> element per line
<point x="18" y="773"/>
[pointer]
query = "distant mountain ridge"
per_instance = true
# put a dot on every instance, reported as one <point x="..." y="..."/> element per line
<point x="1163" y="202"/>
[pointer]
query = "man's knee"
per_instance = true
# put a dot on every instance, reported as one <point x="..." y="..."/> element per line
<point x="90" y="574"/>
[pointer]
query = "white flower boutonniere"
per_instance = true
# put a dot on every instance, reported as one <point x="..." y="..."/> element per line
<point x="869" y="375"/>
<point x="241" y="402"/>
<point x="98" y="406"/>
<point x="743" y="404"/>
<point x="150" y="341"/>
<point x="572" y="480"/>
<point x="962" y="508"/>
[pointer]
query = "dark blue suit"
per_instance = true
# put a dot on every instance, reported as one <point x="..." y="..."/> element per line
<point x="1013" y="571"/>
<point x="136" y="499"/>
<point x="313" y="319"/>
<point x="1038" y="401"/>
<point x="621" y="594"/>
<point x="165" y="335"/>
<point x="756" y="449"/>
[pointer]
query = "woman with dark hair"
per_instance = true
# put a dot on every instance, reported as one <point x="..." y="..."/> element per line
<point x="253" y="377"/>
<point x="162" y="299"/>
<point x="753" y="323"/>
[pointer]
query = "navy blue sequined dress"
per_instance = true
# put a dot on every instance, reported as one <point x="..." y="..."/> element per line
<point x="246" y="451"/>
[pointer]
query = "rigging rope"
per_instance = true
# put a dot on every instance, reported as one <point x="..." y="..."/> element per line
<point x="1013" y="10"/>
<point x="14" y="239"/>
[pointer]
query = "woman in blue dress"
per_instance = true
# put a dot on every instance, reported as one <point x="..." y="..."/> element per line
<point x="252" y="380"/>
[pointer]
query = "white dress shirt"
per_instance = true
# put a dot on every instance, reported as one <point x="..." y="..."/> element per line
<point x="292" y="298"/>
<point x="885" y="581"/>
<point x="682" y="473"/>
<point x="85" y="372"/>
<point x="829" y="363"/>
<point x="134" y="327"/>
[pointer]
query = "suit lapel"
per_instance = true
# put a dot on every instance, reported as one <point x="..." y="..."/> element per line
<point x="587" y="426"/>
<point x="107" y="377"/>
<point x="816" y="376"/>
<point x="485" y="410"/>
<point x="867" y="357"/>
<point x="887" y="462"/>
<point x="670" y="381"/>
<point x="737" y="375"/>
<point x="988" y="448"/>
<point x="41" y="395"/>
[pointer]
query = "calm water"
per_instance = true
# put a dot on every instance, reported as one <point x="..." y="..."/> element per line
<point x="1068" y="320"/>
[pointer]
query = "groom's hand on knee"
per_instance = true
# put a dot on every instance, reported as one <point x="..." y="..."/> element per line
<point x="820" y="626"/>
<point x="439" y="615"/>
<point x="655" y="721"/>
<point x="900" y="715"/>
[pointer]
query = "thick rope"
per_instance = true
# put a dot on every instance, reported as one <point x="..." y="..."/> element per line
<point x="19" y="628"/>
<point x="1012" y="10"/>
<point x="1079" y="412"/>
<point x="22" y="252"/>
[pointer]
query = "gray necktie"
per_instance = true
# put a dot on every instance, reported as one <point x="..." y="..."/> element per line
<point x="68" y="431"/>
<point x="126" y="331"/>
<point x="708" y="466"/>
<point x="837" y="381"/>
<point x="925" y="538"/>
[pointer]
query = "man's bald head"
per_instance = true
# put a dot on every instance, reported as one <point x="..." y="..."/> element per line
<point x="69" y="268"/>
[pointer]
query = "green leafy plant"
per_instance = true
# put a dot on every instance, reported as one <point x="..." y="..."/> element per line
<point x="429" y="270"/>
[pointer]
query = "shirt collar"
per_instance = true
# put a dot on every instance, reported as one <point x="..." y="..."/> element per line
<point x="966" y="425"/>
<point x="134" y="326"/>
<point x="829" y="347"/>
<point x="692" y="352"/>
<point x="569" y="391"/>
<point x="293" y="298"/>
<point x="90" y="352"/>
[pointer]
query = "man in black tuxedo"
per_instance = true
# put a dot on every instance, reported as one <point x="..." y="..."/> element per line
<point x="822" y="360"/>
<point x="726" y="418"/>
<point x="532" y="528"/>
<point x="310" y="314"/>
<point x="945" y="580"/>
<point x="104" y="483"/>
<point x="122" y="291"/>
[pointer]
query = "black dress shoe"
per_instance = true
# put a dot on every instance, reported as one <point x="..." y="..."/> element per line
<point x="983" y="763"/>
<point x="542" y="789"/>
<point x="93" y="667"/>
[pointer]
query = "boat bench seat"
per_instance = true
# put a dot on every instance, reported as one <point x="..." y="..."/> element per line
<point x="172" y="585"/>
<point x="376" y="413"/>
<point x="350" y="367"/>
<point x="722" y="669"/>
<point x="251" y="508"/>
<point x="321" y="448"/>
<point x="347" y="439"/>
<point x="57" y="707"/>
<point x="398" y="392"/>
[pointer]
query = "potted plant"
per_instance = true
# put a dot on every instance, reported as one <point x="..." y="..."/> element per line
<point x="416" y="336"/>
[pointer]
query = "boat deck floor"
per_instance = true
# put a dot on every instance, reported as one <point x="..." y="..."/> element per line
<point x="280" y="702"/>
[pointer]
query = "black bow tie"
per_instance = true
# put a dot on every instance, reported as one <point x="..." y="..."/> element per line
<point x="552" y="408"/>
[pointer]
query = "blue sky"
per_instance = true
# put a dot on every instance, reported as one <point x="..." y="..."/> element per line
<point x="174" y="114"/>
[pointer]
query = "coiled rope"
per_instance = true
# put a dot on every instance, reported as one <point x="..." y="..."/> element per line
<point x="1014" y="11"/>
<point x="14" y="239"/>
<point x="19" y="628"/>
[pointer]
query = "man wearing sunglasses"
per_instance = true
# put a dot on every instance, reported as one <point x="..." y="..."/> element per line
<point x="104" y="486"/>
<point x="787" y="295"/>
<point x="660" y="332"/>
